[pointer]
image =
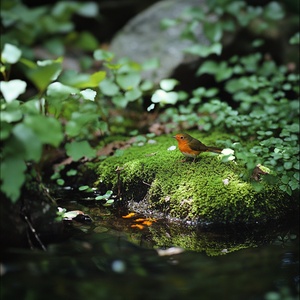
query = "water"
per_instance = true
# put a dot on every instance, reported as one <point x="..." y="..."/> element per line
<point x="110" y="259"/>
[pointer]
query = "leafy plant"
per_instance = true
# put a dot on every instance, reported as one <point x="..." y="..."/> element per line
<point x="52" y="107"/>
<point x="267" y="95"/>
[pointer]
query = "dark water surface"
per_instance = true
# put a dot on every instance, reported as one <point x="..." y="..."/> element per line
<point x="111" y="259"/>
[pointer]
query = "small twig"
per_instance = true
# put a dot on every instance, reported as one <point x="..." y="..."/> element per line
<point x="34" y="232"/>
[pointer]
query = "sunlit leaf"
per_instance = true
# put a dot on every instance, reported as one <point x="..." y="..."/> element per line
<point x="88" y="94"/>
<point x="10" y="54"/>
<point x="161" y="96"/>
<point x="168" y="84"/>
<point x="58" y="90"/>
<point x="12" y="89"/>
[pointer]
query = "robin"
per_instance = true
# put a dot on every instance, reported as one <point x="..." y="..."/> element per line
<point x="191" y="147"/>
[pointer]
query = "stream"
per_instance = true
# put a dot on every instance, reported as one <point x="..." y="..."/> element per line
<point x="122" y="255"/>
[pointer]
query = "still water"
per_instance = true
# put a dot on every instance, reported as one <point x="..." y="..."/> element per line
<point x="123" y="256"/>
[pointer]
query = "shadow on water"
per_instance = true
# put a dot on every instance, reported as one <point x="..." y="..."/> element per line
<point x="112" y="258"/>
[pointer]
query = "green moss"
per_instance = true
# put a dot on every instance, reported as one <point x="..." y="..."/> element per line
<point x="194" y="191"/>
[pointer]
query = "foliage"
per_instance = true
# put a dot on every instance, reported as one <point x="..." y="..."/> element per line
<point x="266" y="94"/>
<point x="51" y="106"/>
<point x="45" y="106"/>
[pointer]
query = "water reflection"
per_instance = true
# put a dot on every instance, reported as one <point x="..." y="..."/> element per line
<point x="109" y="259"/>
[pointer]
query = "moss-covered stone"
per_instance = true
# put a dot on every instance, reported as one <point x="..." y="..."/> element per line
<point x="190" y="190"/>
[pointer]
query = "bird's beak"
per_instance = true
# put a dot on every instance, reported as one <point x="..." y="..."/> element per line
<point x="174" y="137"/>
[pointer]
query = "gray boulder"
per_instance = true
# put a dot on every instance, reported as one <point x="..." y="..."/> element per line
<point x="142" y="38"/>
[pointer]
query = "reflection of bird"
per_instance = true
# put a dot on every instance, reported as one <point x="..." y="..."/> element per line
<point x="191" y="147"/>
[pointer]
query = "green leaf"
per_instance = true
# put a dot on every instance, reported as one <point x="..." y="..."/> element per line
<point x="31" y="144"/>
<point x="83" y="188"/>
<point x="12" y="89"/>
<point x="6" y="129"/>
<point x="72" y="172"/>
<point x="60" y="181"/>
<point x="60" y="91"/>
<point x="274" y="11"/>
<point x="109" y="202"/>
<point x="128" y="81"/>
<point x="48" y="129"/>
<point x="90" y="80"/>
<point x="88" y="94"/>
<point x="168" y="84"/>
<point x="12" y="176"/>
<point x="44" y="73"/>
<point x="213" y="31"/>
<point x="105" y="196"/>
<point x="120" y="101"/>
<point x="220" y="70"/>
<point x="77" y="150"/>
<point x="161" y="96"/>
<point x="146" y="85"/>
<point x="295" y="39"/>
<point x="285" y="179"/>
<point x="205" y="51"/>
<point x="294" y="184"/>
<point x="103" y="55"/>
<point x="286" y="188"/>
<point x="133" y="94"/>
<point x="208" y="67"/>
<point x="288" y="165"/>
<point x="108" y="87"/>
<point x="10" y="54"/>
<point x="10" y="116"/>
<point x="88" y="9"/>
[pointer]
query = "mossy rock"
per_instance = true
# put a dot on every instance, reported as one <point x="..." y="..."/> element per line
<point x="190" y="190"/>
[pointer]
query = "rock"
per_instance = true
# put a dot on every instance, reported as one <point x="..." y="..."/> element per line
<point x="195" y="192"/>
<point x="142" y="38"/>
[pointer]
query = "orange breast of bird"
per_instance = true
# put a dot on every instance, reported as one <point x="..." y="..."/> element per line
<point x="186" y="149"/>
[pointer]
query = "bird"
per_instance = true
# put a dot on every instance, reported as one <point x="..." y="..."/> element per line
<point x="191" y="147"/>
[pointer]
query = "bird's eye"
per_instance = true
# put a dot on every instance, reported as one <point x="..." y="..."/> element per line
<point x="182" y="137"/>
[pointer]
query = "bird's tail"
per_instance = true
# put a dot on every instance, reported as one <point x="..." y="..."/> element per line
<point x="214" y="149"/>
